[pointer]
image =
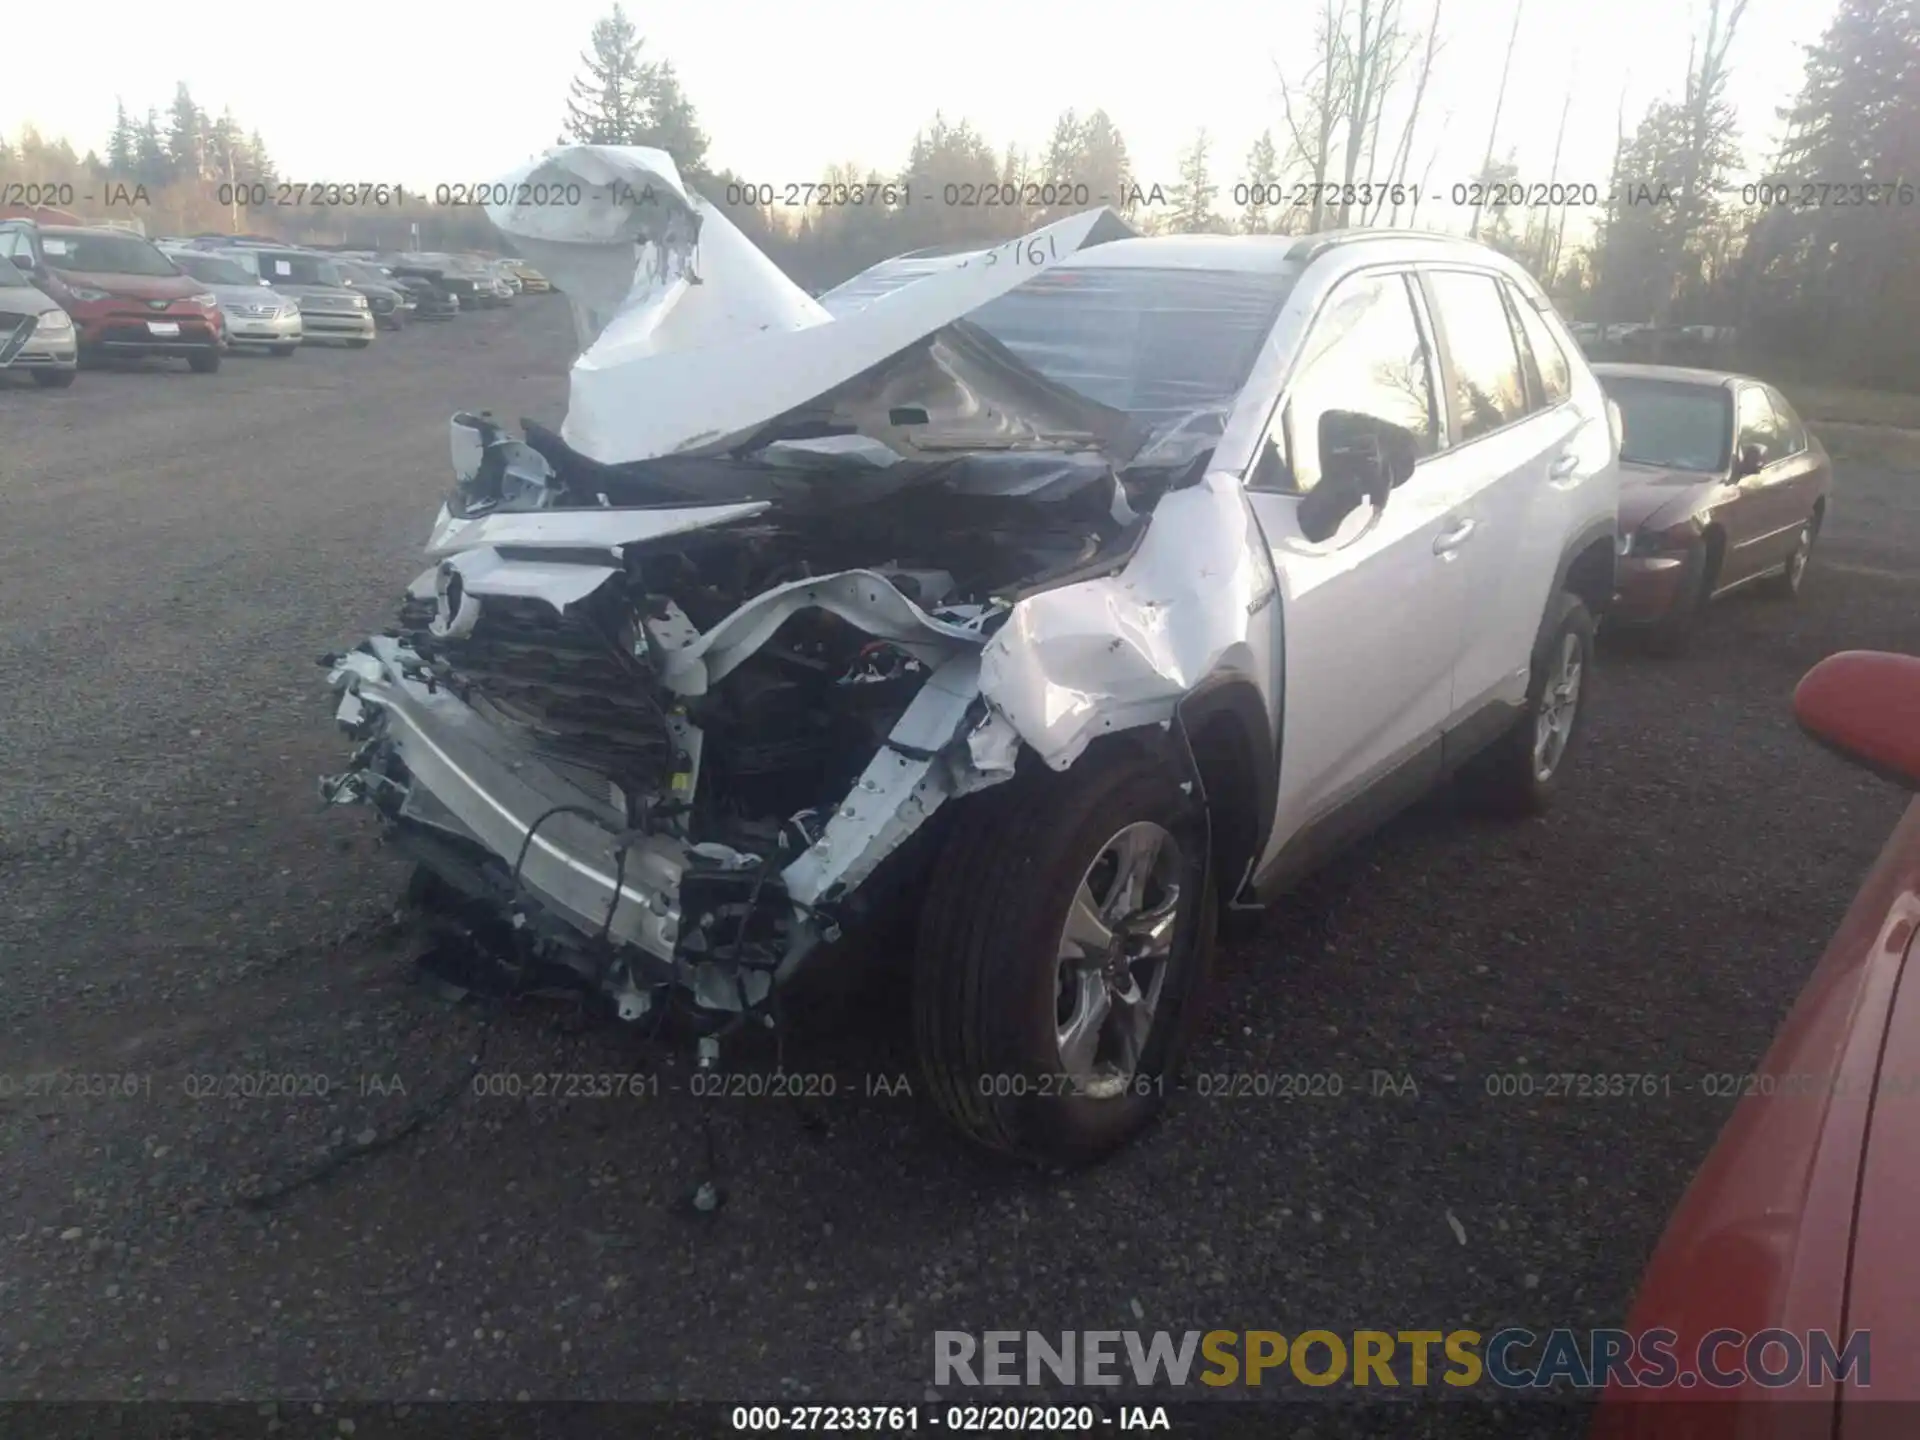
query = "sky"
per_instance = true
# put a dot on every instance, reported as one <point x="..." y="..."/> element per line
<point x="463" y="93"/>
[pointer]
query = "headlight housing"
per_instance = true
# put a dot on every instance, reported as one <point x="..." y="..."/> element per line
<point x="206" y="299"/>
<point x="1646" y="542"/>
<point x="53" y="320"/>
<point x="83" y="292"/>
<point x="359" y="302"/>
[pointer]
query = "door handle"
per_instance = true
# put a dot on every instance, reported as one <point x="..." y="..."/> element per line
<point x="1453" y="537"/>
<point x="1564" y="464"/>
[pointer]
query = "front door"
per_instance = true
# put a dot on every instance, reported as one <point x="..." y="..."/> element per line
<point x="1374" y="612"/>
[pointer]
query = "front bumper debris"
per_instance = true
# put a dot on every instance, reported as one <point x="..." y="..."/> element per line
<point x="634" y="911"/>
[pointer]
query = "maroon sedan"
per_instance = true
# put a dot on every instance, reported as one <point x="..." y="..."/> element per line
<point x="1720" y="486"/>
<point x="1798" y="1233"/>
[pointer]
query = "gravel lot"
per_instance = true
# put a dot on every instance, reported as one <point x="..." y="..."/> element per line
<point x="176" y="551"/>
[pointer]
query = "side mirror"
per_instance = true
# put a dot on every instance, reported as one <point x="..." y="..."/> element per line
<point x="1362" y="457"/>
<point x="1750" y="461"/>
<point x="1864" y="705"/>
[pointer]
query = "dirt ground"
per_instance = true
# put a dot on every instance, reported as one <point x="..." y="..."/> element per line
<point x="178" y="913"/>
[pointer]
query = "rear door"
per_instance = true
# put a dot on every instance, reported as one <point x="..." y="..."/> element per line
<point x="1512" y="416"/>
<point x="1757" y="517"/>
<point x="1373" y="613"/>
<point x="1796" y="481"/>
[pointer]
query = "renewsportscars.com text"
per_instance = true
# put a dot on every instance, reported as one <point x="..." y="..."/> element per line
<point x="1512" y="1358"/>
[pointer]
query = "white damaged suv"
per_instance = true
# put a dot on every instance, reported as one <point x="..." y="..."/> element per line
<point x="1065" y="592"/>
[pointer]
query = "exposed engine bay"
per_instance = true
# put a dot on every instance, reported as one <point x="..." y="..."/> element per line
<point x="726" y="726"/>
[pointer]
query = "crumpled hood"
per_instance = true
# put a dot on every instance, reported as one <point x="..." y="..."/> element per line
<point x="695" y="339"/>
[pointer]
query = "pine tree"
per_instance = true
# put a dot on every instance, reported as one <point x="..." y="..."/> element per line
<point x="120" y="145"/>
<point x="186" y="136"/>
<point x="609" y="101"/>
<point x="1064" y="154"/>
<point x="1104" y="167"/>
<point x="1193" y="197"/>
<point x="670" y="123"/>
<point x="150" y="163"/>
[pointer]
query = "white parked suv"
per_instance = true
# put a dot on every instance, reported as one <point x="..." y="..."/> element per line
<point x="1056" y="596"/>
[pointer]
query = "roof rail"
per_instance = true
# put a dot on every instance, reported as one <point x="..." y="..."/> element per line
<point x="1318" y="245"/>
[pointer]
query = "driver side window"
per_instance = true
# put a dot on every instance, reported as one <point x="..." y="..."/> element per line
<point x="1365" y="354"/>
<point x="1758" y="425"/>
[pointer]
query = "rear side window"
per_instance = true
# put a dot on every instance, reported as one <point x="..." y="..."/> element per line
<point x="1489" y="388"/>
<point x="1549" y="360"/>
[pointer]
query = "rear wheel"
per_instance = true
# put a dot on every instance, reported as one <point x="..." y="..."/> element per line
<point x="1062" y="952"/>
<point x="53" y="379"/>
<point x="1520" y="773"/>
<point x="204" y="363"/>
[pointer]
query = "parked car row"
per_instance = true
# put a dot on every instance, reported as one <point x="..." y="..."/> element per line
<point x="72" y="294"/>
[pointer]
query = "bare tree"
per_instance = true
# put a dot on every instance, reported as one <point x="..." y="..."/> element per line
<point x="1403" y="153"/>
<point x="1499" y="100"/>
<point x="1371" y="57"/>
<point x="1322" y="99"/>
<point x="1706" y="149"/>
<point x="1544" y="258"/>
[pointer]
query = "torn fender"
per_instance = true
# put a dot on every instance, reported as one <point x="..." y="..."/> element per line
<point x="1109" y="654"/>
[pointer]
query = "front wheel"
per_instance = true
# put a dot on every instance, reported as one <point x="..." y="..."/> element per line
<point x="280" y="352"/>
<point x="53" y="379"/>
<point x="205" y="363"/>
<point x="1063" y="949"/>
<point x="1520" y="774"/>
<point x="359" y="344"/>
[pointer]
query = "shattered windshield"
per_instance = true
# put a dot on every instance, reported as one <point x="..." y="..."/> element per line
<point x="1163" y="345"/>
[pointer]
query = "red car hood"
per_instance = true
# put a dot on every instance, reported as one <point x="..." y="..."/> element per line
<point x="1669" y="494"/>
<point x="1766" y="1235"/>
<point x="136" y="287"/>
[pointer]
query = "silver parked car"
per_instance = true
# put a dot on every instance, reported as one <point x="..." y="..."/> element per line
<point x="256" y="313"/>
<point x="36" y="335"/>
<point x="329" y="308"/>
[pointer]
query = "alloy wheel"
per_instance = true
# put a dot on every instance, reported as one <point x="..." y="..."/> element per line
<point x="1115" y="949"/>
<point x="1559" y="707"/>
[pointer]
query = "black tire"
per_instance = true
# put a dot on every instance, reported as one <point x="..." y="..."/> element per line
<point x="359" y="344"/>
<point x="280" y="352"/>
<point x="53" y="379"/>
<point x="1793" y="574"/>
<point x="205" y="363"/>
<point x="90" y="359"/>
<point x="986" y="973"/>
<point x="1673" y="632"/>
<point x="1507" y="777"/>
